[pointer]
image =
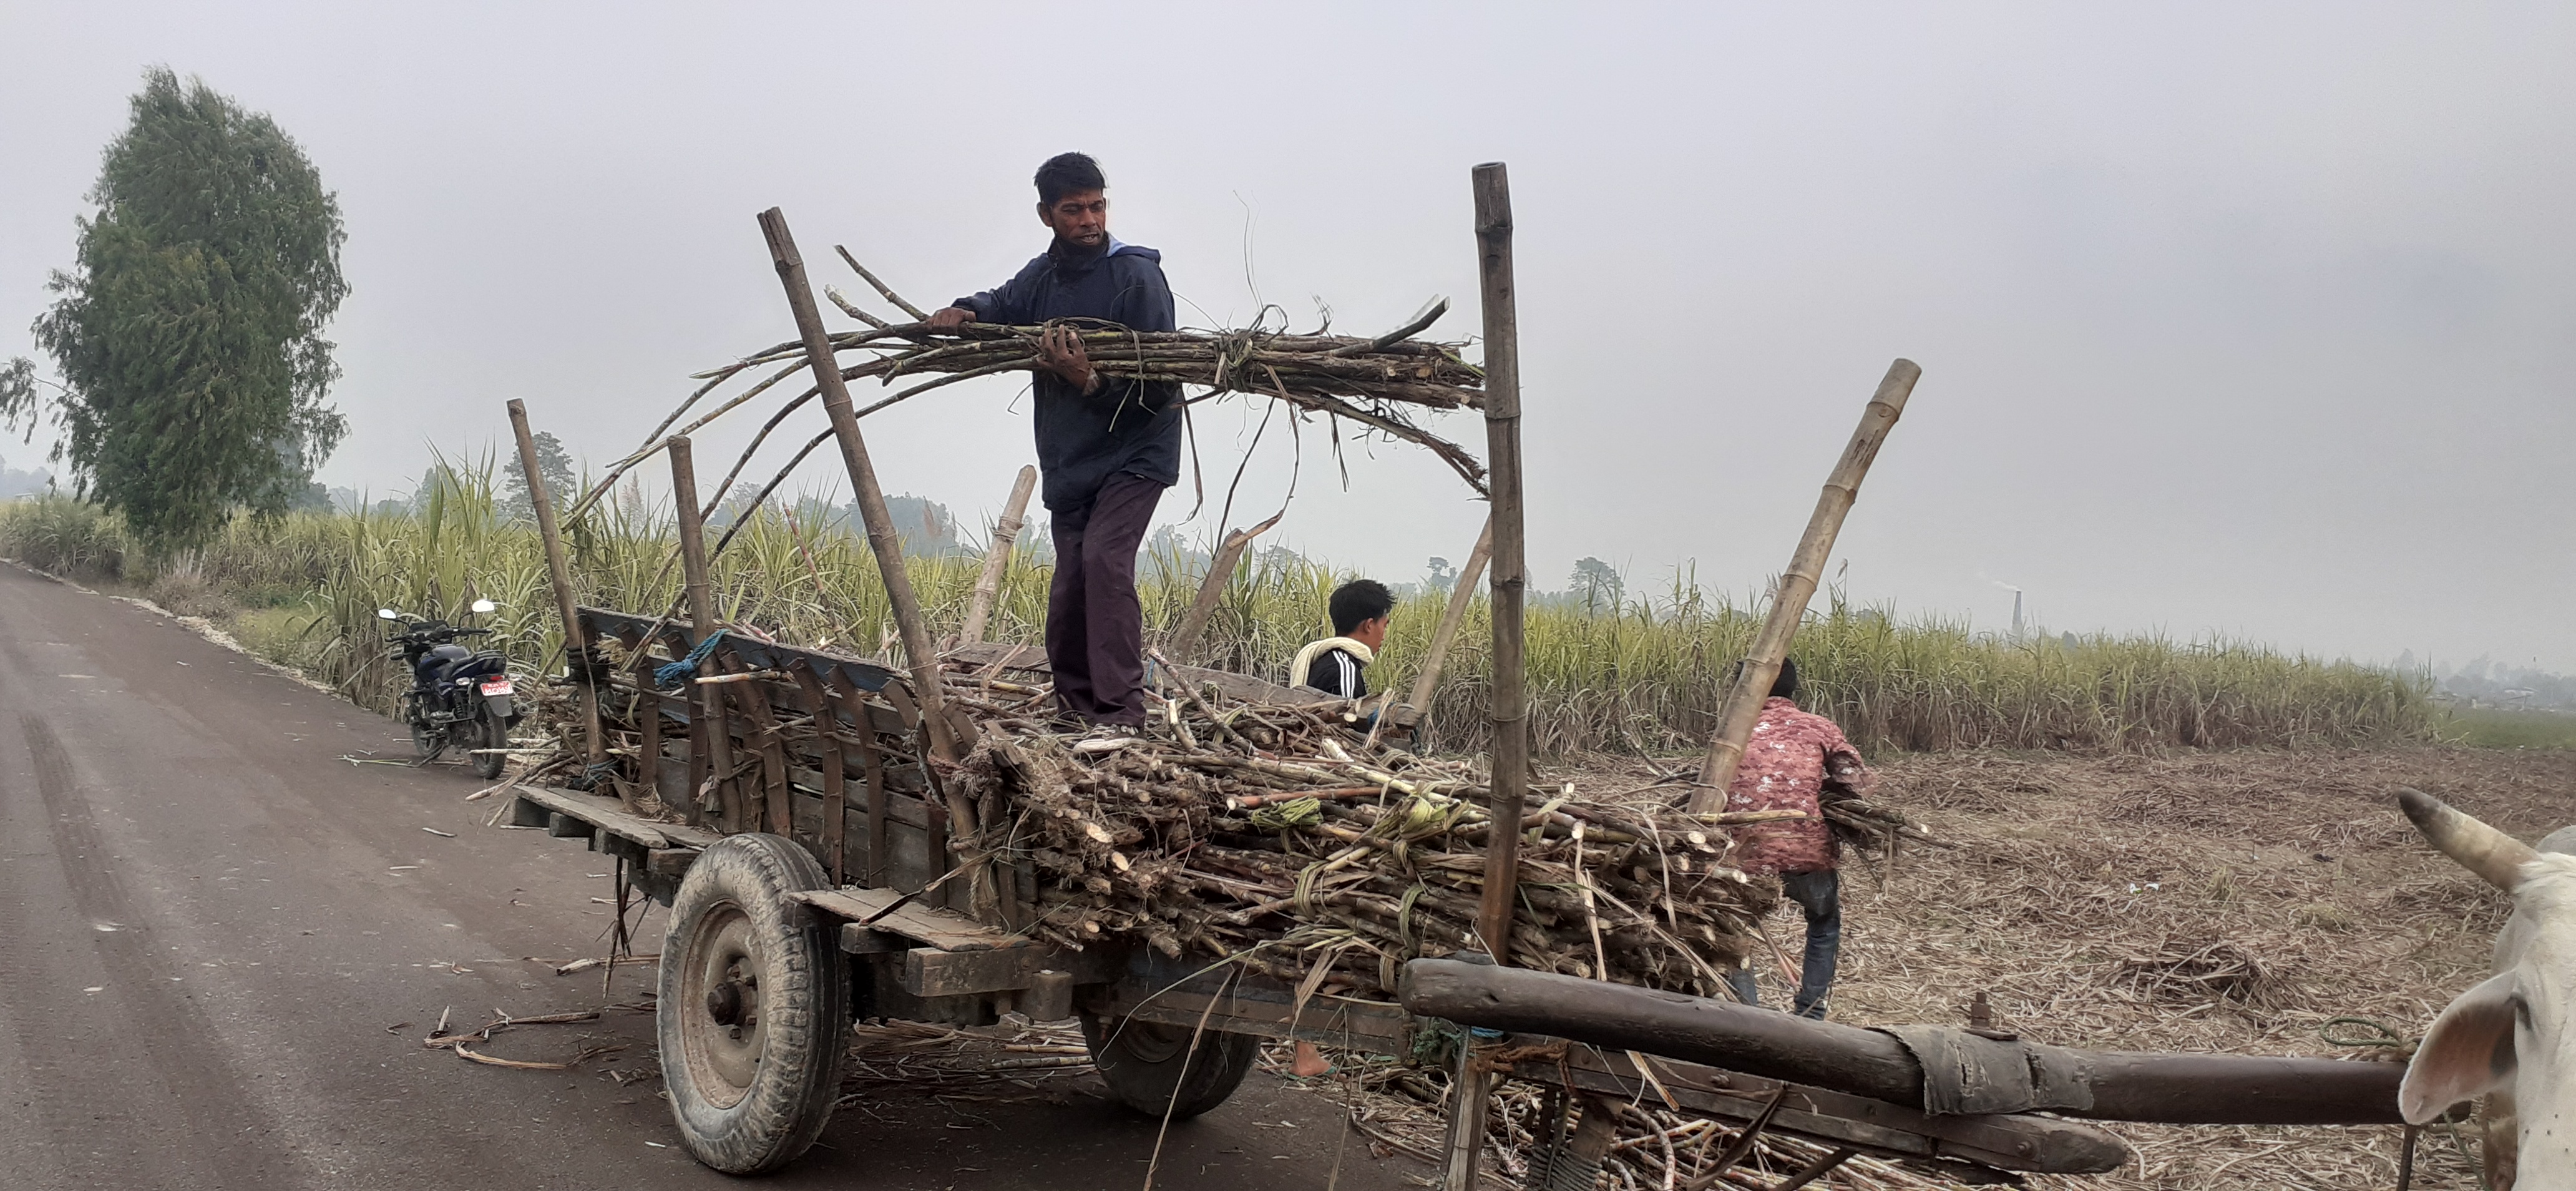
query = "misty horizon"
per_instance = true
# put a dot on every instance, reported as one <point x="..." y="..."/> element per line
<point x="2233" y="323"/>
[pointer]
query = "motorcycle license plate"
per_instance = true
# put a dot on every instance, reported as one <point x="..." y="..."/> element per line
<point x="496" y="686"/>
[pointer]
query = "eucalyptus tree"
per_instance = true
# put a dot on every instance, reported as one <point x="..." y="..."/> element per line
<point x="188" y="336"/>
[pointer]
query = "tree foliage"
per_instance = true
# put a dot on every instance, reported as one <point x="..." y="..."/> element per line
<point x="189" y="334"/>
<point x="553" y="466"/>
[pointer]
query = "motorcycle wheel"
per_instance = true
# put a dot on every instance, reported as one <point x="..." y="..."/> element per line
<point x="490" y="732"/>
<point x="424" y="740"/>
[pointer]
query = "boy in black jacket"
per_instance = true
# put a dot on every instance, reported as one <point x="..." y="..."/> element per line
<point x="1362" y="609"/>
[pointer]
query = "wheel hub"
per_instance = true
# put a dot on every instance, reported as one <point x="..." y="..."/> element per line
<point x="721" y="1031"/>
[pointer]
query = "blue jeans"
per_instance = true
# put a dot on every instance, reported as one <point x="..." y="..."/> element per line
<point x="1820" y="894"/>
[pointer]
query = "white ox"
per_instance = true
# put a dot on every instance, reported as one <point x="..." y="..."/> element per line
<point x="2509" y="1039"/>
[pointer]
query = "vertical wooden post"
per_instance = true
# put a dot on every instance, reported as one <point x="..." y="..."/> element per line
<point x="1511" y="574"/>
<point x="1743" y="706"/>
<point x="1409" y="713"/>
<point x="882" y="539"/>
<point x="709" y="739"/>
<point x="997" y="557"/>
<point x="1510" y="778"/>
<point x="559" y="571"/>
<point x="1185" y="642"/>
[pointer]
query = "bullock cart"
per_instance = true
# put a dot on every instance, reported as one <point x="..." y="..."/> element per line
<point x="801" y="813"/>
<point x="815" y="833"/>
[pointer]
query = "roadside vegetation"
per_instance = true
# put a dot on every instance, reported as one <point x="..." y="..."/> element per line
<point x="1610" y="674"/>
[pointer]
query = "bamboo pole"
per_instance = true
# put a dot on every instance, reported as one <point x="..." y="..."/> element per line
<point x="1409" y="713"/>
<point x="997" y="557"/>
<point x="710" y="746"/>
<point x="559" y="572"/>
<point x="882" y="539"/>
<point x="1511" y="576"/>
<point x="1743" y="706"/>
<point x="1510" y="700"/>
<point x="1212" y="587"/>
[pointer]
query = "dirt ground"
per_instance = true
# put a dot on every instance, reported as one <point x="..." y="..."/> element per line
<point x="2220" y="902"/>
<point x="2205" y="902"/>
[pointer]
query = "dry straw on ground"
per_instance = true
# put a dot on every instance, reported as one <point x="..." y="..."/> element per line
<point x="2230" y="902"/>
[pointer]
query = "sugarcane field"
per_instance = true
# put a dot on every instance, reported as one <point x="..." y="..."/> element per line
<point x="590" y="603"/>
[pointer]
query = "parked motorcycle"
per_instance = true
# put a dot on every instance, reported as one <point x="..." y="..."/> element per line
<point x="459" y="697"/>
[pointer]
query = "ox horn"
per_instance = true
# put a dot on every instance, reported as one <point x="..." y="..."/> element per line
<point x="2479" y="848"/>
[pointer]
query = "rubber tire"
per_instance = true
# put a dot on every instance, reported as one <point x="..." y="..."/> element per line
<point x="804" y="1003"/>
<point x="424" y="739"/>
<point x="1151" y="1082"/>
<point x="495" y="734"/>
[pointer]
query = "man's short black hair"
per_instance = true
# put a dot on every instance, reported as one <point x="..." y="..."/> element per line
<point x="1786" y="686"/>
<point x="1066" y="173"/>
<point x="1358" y="602"/>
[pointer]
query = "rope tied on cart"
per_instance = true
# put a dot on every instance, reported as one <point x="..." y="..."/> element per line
<point x="670" y="677"/>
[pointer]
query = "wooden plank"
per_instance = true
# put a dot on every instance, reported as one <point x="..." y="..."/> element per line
<point x="862" y="940"/>
<point x="648" y="713"/>
<point x="877" y="787"/>
<point x="610" y="815"/>
<point x="946" y="930"/>
<point x="760" y="729"/>
<point x="835" y="772"/>
<point x="676" y="633"/>
<point x="931" y="972"/>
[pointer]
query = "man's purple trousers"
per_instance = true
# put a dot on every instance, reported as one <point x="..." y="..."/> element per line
<point x="1095" y="628"/>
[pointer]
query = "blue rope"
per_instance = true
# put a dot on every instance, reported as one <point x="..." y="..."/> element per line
<point x="671" y="676"/>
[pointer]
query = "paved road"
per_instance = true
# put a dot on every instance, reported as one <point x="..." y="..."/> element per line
<point x="220" y="945"/>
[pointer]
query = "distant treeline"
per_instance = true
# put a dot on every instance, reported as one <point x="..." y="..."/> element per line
<point x="1609" y="672"/>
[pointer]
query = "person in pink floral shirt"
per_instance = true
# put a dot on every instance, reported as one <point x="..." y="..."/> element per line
<point x="1787" y="764"/>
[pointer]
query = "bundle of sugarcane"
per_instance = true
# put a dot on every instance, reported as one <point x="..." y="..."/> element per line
<point x="1378" y="382"/>
<point x="1869" y="827"/>
<point x="1276" y="837"/>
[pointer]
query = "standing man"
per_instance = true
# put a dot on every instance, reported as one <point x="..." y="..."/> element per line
<point x="1106" y="448"/>
<point x="1791" y="757"/>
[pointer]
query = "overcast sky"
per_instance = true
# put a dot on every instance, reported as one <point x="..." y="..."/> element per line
<point x="2239" y="319"/>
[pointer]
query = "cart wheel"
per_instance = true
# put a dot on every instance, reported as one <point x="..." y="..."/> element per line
<point x="1142" y="1064"/>
<point x="754" y="1006"/>
<point x="491" y="733"/>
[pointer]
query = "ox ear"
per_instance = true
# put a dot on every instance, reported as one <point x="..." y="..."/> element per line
<point x="2468" y="1052"/>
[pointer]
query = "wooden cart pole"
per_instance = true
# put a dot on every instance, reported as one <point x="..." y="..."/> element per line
<point x="1511" y="573"/>
<point x="710" y="743"/>
<point x="997" y="557"/>
<point x="1510" y="778"/>
<point x="576" y="643"/>
<point x="1212" y="589"/>
<point x="1743" y="706"/>
<point x="1409" y="713"/>
<point x="882" y="539"/>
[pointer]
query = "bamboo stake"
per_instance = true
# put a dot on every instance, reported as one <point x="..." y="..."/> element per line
<point x="882" y="539"/>
<point x="997" y="557"/>
<point x="1409" y="713"/>
<point x="1212" y="585"/>
<point x="709" y="740"/>
<point x="1510" y="701"/>
<point x="559" y="572"/>
<point x="1743" y="706"/>
<point x="1511" y="578"/>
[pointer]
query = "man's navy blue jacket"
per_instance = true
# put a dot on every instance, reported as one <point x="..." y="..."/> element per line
<point x="1130" y="427"/>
